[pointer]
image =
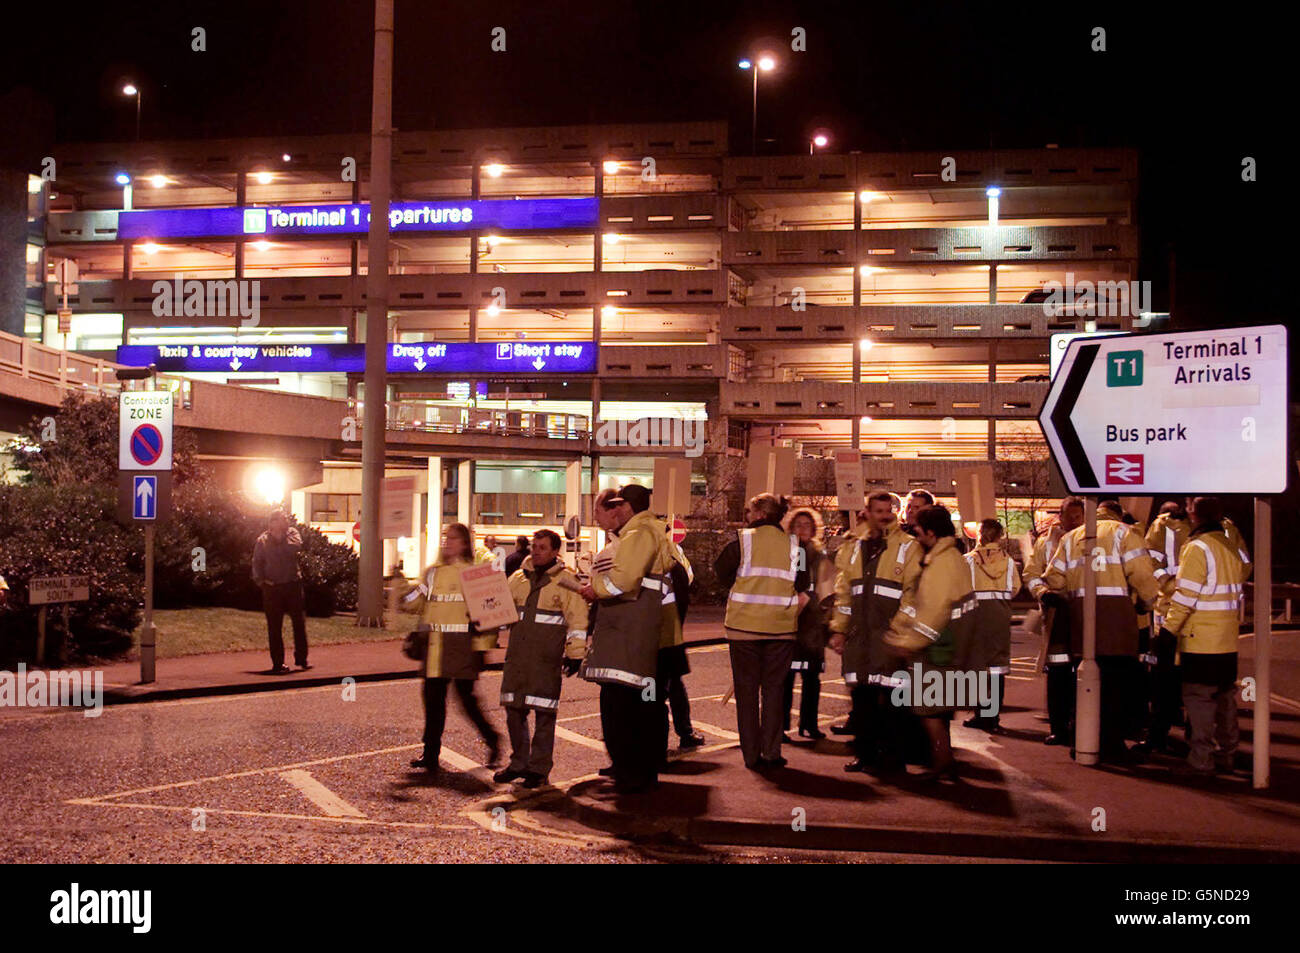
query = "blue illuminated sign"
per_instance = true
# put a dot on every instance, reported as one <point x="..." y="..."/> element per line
<point x="428" y="357"/>
<point x="354" y="219"/>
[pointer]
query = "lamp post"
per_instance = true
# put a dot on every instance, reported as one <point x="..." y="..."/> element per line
<point x="818" y="141"/>
<point x="130" y="89"/>
<point x="765" y="63"/>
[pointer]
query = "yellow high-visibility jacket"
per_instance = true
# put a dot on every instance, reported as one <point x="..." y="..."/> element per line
<point x="1036" y="565"/>
<point x="944" y="608"/>
<point x="671" y="632"/>
<point x="993" y="574"/>
<point x="1125" y="568"/>
<point x="1238" y="543"/>
<point x="897" y="573"/>
<point x="1203" y="612"/>
<point x="763" y="598"/>
<point x="1165" y="541"/>
<point x="642" y="552"/>
<point x="442" y="609"/>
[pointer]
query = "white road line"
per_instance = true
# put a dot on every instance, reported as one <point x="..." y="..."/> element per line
<point x="330" y="804"/>
<point x="458" y="761"/>
<point x="715" y="730"/>
<point x="576" y="738"/>
<point x="277" y="814"/>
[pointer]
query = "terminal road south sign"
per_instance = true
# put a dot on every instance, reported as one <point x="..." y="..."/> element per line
<point x="1192" y="412"/>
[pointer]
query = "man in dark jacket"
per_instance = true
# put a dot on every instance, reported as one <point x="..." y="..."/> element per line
<point x="275" y="569"/>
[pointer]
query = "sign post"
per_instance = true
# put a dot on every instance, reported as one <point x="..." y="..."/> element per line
<point x="44" y="590"/>
<point x="848" y="483"/>
<point x="144" y="459"/>
<point x="1194" y="412"/>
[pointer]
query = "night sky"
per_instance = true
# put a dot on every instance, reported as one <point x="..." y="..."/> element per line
<point x="1194" y="94"/>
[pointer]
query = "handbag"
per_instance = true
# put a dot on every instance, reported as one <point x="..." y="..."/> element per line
<point x="416" y="645"/>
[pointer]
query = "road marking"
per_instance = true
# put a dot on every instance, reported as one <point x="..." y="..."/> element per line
<point x="423" y="825"/>
<point x="330" y="803"/>
<point x="576" y="738"/>
<point x="715" y="730"/>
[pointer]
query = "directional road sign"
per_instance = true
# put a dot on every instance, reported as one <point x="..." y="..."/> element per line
<point x="1191" y="412"/>
<point x="143" y="496"/>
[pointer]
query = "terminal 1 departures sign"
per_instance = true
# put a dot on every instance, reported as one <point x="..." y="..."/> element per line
<point x="354" y="219"/>
<point x="426" y="357"/>
<point x="1192" y="412"/>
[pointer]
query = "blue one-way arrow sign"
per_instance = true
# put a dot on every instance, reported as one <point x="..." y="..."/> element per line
<point x="144" y="498"/>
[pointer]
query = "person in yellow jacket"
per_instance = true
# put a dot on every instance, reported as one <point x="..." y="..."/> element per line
<point x="1238" y="544"/>
<point x="876" y="577"/>
<point x="1123" y="568"/>
<point x="996" y="581"/>
<point x="674" y="665"/>
<point x="935" y="634"/>
<point x="766" y="570"/>
<point x="1202" y="617"/>
<point x="623" y="657"/>
<point x="1057" y="665"/>
<point x="549" y="638"/>
<point x="455" y="647"/>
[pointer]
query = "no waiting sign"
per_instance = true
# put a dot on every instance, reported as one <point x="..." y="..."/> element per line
<point x="1192" y="412"/>
<point x="144" y="429"/>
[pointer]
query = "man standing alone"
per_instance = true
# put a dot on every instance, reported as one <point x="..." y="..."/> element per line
<point x="275" y="570"/>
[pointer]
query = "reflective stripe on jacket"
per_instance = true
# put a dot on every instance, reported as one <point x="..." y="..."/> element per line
<point x="446" y="617"/>
<point x="1122" y="567"/>
<point x="944" y="610"/>
<point x="552" y="625"/>
<point x="763" y="598"/>
<point x="1203" y="612"/>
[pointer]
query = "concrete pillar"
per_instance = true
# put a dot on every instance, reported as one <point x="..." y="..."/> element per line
<point x="855" y="426"/>
<point x="465" y="493"/>
<point x="433" y="520"/>
<point x="573" y="489"/>
<point x="993" y="284"/>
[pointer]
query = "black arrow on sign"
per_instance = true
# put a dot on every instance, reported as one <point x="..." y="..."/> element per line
<point x="1060" y="416"/>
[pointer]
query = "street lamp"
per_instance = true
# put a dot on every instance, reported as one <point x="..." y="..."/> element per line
<point x="130" y="89"/>
<point x="818" y="141"/>
<point x="766" y="64"/>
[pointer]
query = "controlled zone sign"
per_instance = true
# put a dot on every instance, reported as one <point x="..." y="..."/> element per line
<point x="144" y="427"/>
<point x="1192" y="412"/>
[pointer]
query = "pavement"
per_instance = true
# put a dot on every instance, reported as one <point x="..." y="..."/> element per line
<point x="1016" y="798"/>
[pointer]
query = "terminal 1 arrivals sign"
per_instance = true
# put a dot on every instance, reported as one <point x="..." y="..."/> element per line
<point x="426" y="357"/>
<point x="1192" y="412"/>
<point x="354" y="218"/>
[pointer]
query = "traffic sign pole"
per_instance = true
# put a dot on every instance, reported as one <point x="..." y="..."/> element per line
<point x="1087" y="717"/>
<point x="1263" y="639"/>
<point x="147" y="634"/>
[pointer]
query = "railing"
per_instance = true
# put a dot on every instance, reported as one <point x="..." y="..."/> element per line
<point x="422" y="418"/>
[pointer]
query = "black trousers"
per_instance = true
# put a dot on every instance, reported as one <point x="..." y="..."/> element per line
<point x="435" y="712"/>
<point x="1121" y="681"/>
<point x="279" y="599"/>
<point x="758" y="670"/>
<point x="1166" y="685"/>
<point x="681" y="708"/>
<point x="1061" y="698"/>
<point x="882" y="729"/>
<point x="809" y="697"/>
<point x="634" y="734"/>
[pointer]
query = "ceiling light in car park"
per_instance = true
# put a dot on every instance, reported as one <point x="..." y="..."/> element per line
<point x="865" y="270"/>
<point x="609" y="311"/>
<point x="262" y="245"/>
<point x="158" y="181"/>
<point x="866" y="344"/>
<point x="868" y="196"/>
<point x="865" y="420"/>
<point x="493" y="310"/>
<point x="494" y="169"/>
<point x="286" y="157"/>
<point x="149" y="248"/>
<point x="612" y="166"/>
<point x="263" y="178"/>
<point x="612" y="238"/>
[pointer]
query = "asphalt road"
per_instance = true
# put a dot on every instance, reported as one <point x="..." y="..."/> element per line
<point x="306" y="775"/>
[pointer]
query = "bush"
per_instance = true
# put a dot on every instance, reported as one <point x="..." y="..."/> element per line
<point x="69" y="530"/>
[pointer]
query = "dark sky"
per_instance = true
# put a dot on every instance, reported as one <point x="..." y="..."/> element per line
<point x="1195" y="92"/>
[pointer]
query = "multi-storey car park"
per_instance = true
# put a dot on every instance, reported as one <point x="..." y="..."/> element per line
<point x="816" y="302"/>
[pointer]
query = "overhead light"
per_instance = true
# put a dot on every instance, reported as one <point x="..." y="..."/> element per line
<point x="766" y="63"/>
<point x="865" y="420"/>
<point x="129" y="89"/>
<point x="820" y="140"/>
<point x="745" y="64"/>
<point x="867" y="270"/>
<point x="269" y="483"/>
<point x="261" y="244"/>
<point x="263" y="178"/>
<point x="608" y="311"/>
<point x="612" y="238"/>
<point x="286" y="157"/>
<point x="993" y="191"/>
<point x="158" y="181"/>
<point x="866" y="344"/>
<point x="122" y="179"/>
<point x="494" y="169"/>
<point x="149" y="248"/>
<point x="493" y="310"/>
<point x="611" y="167"/>
<point x="868" y="196"/>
